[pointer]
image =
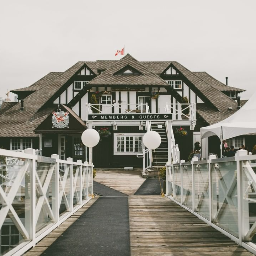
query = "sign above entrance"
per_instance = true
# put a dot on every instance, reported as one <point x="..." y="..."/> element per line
<point x="129" y="117"/>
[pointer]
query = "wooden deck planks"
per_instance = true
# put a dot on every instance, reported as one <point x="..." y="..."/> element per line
<point x="158" y="226"/>
<point x="124" y="181"/>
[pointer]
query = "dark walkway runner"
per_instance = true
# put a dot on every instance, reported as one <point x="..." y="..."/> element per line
<point x="102" y="230"/>
<point x="151" y="186"/>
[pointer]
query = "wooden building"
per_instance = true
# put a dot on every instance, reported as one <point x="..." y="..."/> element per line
<point x="52" y="113"/>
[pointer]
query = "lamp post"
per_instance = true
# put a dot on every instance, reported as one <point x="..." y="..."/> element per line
<point x="151" y="140"/>
<point x="90" y="139"/>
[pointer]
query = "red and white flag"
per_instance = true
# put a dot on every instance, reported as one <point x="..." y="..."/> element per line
<point x="120" y="52"/>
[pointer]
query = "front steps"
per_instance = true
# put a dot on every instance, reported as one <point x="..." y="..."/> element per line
<point x="160" y="155"/>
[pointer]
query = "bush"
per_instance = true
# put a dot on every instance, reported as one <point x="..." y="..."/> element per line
<point x="162" y="173"/>
<point x="94" y="173"/>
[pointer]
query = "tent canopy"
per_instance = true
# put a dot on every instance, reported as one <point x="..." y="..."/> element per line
<point x="241" y="122"/>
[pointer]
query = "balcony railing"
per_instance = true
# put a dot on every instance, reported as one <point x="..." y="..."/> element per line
<point x="36" y="195"/>
<point x="179" y="111"/>
<point x="222" y="192"/>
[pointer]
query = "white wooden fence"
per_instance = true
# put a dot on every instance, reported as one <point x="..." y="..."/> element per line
<point x="222" y="192"/>
<point x="36" y="195"/>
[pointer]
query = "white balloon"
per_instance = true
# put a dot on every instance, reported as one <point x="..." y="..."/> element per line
<point x="90" y="138"/>
<point x="152" y="140"/>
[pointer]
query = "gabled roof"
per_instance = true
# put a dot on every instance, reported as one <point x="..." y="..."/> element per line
<point x="157" y="67"/>
<point x="37" y="85"/>
<point x="21" y="123"/>
<point x="76" y="124"/>
<point x="216" y="84"/>
<point x="216" y="98"/>
<point x="108" y="77"/>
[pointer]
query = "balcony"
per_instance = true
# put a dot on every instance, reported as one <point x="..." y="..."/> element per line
<point x="181" y="113"/>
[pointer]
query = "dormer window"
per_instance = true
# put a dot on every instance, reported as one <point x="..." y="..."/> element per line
<point x="128" y="72"/>
<point x="176" y="84"/>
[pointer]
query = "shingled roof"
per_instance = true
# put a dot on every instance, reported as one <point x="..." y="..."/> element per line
<point x="209" y="94"/>
<point x="217" y="84"/>
<point x="39" y="103"/>
<point x="15" y="122"/>
<point x="146" y="77"/>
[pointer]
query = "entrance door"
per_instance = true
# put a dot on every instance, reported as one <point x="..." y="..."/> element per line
<point x="142" y="101"/>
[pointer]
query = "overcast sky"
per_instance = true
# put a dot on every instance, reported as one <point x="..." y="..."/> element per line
<point x="216" y="36"/>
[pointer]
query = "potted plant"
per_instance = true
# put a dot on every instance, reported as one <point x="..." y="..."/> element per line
<point x="180" y="132"/>
<point x="104" y="132"/>
<point x="95" y="108"/>
<point x="155" y="96"/>
<point x="162" y="176"/>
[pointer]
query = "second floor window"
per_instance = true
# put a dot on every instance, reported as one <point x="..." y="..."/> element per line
<point x="80" y="84"/>
<point x="106" y="99"/>
<point x="176" y="84"/>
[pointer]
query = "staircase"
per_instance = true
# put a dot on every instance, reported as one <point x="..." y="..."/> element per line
<point x="160" y="155"/>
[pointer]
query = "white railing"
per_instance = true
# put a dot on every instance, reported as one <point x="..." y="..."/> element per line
<point x="173" y="149"/>
<point x="36" y="195"/>
<point x="147" y="162"/>
<point x="117" y="108"/>
<point x="222" y="192"/>
<point x="182" y="111"/>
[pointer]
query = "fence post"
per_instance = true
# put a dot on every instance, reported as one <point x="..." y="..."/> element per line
<point x="56" y="197"/>
<point x="209" y="161"/>
<point x="241" y="208"/>
<point x="70" y="159"/>
<point x="87" y="180"/>
<point x="80" y="181"/>
<point x="32" y="216"/>
<point x="193" y="185"/>
<point x="181" y="180"/>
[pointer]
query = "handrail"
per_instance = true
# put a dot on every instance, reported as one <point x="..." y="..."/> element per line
<point x="46" y="191"/>
<point x="220" y="192"/>
<point x="173" y="149"/>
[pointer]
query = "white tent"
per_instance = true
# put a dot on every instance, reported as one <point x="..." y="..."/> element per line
<point x="241" y="122"/>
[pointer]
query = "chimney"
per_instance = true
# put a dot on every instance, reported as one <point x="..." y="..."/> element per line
<point x="22" y="104"/>
<point x="238" y="102"/>
<point x="226" y="80"/>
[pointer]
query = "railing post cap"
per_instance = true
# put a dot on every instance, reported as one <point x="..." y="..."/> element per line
<point x="182" y="161"/>
<point x="55" y="156"/>
<point x="241" y="152"/>
<point x="79" y="161"/>
<point x="30" y="151"/>
<point x="212" y="157"/>
<point x="194" y="159"/>
<point x="70" y="159"/>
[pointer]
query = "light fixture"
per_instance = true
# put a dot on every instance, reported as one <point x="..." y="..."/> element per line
<point x="90" y="138"/>
<point x="152" y="140"/>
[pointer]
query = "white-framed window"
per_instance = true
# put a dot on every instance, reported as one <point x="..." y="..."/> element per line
<point x="237" y="142"/>
<point x="106" y="99"/>
<point x="78" y="85"/>
<point x="10" y="237"/>
<point x="176" y="84"/>
<point x="20" y="144"/>
<point x="127" y="143"/>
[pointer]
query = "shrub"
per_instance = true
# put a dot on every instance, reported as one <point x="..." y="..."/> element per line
<point x="162" y="173"/>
